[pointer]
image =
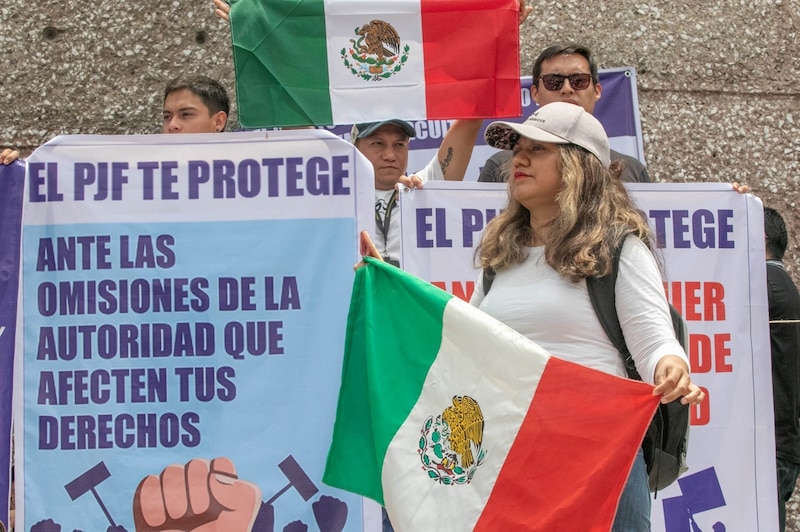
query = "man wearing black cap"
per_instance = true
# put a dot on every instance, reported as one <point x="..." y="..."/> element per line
<point x="385" y="144"/>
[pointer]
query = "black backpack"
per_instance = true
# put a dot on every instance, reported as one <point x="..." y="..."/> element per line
<point x="667" y="437"/>
<point x="665" y="443"/>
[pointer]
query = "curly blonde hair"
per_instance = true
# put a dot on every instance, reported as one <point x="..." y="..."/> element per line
<point x="595" y="215"/>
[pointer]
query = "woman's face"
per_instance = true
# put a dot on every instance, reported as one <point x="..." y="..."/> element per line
<point x="535" y="176"/>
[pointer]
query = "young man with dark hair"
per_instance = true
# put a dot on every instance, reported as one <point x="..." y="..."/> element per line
<point x="566" y="72"/>
<point x="784" y="336"/>
<point x="195" y="104"/>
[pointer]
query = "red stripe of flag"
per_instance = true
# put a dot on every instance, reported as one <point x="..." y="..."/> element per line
<point x="481" y="44"/>
<point x="536" y="488"/>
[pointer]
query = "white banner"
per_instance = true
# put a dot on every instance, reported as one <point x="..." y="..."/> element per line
<point x="711" y="241"/>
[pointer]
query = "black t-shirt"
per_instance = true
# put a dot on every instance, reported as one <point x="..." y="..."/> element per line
<point x="784" y="304"/>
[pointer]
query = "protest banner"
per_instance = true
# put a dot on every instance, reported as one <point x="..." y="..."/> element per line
<point x="715" y="275"/>
<point x="711" y="241"/>
<point x="183" y="303"/>
<point x="174" y="309"/>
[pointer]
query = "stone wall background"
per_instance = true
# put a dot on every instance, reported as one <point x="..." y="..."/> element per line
<point x="718" y="80"/>
<point x="718" y="87"/>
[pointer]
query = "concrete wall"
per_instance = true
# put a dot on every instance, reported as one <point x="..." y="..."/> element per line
<point x="718" y="80"/>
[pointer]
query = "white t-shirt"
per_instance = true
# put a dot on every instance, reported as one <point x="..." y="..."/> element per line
<point x="387" y="236"/>
<point x="557" y="314"/>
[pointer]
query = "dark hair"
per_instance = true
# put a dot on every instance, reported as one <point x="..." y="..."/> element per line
<point x="209" y="90"/>
<point x="775" y="233"/>
<point x="561" y="48"/>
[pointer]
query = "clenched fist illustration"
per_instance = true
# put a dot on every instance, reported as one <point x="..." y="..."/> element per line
<point x="200" y="496"/>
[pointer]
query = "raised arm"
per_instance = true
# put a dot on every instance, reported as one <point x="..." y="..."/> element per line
<point x="457" y="145"/>
<point x="452" y="157"/>
<point x="456" y="148"/>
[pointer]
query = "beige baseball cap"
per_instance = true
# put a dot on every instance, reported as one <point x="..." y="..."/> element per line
<point x="557" y="122"/>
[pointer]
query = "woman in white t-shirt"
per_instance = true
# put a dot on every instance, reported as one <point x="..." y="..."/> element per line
<point x="567" y="213"/>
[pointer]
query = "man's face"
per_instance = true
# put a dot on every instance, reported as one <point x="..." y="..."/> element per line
<point x="387" y="150"/>
<point x="566" y="64"/>
<point x="185" y="112"/>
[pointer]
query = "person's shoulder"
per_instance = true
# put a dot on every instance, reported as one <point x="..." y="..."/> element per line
<point x="633" y="171"/>
<point x="777" y="274"/>
<point x="632" y="161"/>
<point x="776" y="268"/>
<point x="778" y="279"/>
<point x="632" y="242"/>
<point x="431" y="171"/>
<point x="500" y="157"/>
<point x="634" y="250"/>
<point x="782" y="293"/>
<point x="492" y="170"/>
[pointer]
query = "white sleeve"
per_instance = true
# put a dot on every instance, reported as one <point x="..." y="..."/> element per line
<point x="432" y="171"/>
<point x="477" y="294"/>
<point x="642" y="309"/>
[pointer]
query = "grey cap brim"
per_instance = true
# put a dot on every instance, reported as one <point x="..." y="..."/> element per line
<point x="360" y="131"/>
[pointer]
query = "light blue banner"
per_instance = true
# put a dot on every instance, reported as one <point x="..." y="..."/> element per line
<point x="184" y="339"/>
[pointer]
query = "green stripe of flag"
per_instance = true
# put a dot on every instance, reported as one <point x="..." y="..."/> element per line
<point x="280" y="55"/>
<point x="382" y="360"/>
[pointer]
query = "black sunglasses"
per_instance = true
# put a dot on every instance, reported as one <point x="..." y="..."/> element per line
<point x="554" y="82"/>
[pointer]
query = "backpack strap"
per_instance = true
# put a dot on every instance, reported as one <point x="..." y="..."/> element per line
<point x="488" y="279"/>
<point x="604" y="302"/>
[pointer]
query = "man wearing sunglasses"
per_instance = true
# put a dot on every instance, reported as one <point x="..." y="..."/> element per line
<point x="566" y="72"/>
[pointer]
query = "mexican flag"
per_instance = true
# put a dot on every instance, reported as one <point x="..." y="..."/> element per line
<point x="453" y="421"/>
<point x="323" y="62"/>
